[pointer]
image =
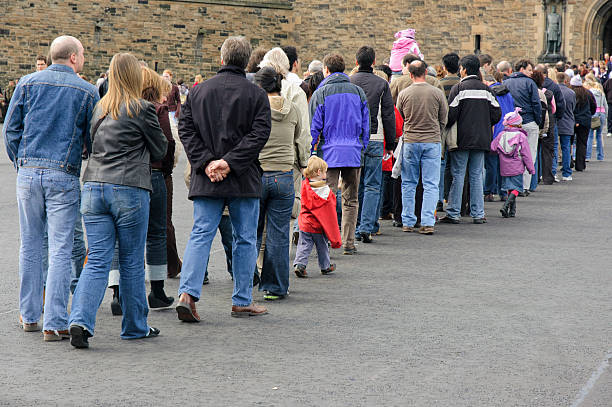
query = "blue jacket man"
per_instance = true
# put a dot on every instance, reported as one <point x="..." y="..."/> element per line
<point x="46" y="125"/>
<point x="525" y="94"/>
<point x="340" y="129"/>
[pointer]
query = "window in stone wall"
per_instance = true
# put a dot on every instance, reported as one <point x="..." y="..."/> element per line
<point x="278" y="4"/>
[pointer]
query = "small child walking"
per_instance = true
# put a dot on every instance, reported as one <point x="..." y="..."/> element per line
<point x="318" y="220"/>
<point x="514" y="157"/>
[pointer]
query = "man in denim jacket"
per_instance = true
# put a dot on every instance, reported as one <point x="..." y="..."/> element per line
<point x="46" y="125"/>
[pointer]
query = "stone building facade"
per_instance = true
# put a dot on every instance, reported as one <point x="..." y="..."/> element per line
<point x="185" y="36"/>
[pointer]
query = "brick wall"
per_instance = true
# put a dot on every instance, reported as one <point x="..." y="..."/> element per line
<point x="186" y="36"/>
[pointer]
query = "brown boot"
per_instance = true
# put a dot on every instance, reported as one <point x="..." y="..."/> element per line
<point x="51" y="336"/>
<point x="186" y="309"/>
<point x="248" y="311"/>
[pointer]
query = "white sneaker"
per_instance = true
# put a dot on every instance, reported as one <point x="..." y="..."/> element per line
<point x="556" y="178"/>
<point x="567" y="178"/>
<point x="609" y="134"/>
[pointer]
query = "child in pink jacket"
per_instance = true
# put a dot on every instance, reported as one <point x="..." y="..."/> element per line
<point x="405" y="44"/>
<point x="514" y="157"/>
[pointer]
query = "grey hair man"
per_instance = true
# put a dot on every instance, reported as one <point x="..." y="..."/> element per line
<point x="505" y="68"/>
<point x="54" y="118"/>
<point x="225" y="123"/>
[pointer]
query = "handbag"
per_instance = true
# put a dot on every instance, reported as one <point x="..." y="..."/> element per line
<point x="595" y="122"/>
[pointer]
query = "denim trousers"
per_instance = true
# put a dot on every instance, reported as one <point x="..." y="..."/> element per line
<point x="473" y="162"/>
<point x="441" y="183"/>
<point x="157" y="250"/>
<point x="370" y="187"/>
<point x="79" y="251"/>
<point x="51" y="197"/>
<point x="533" y="132"/>
<point x="596" y="134"/>
<point x="538" y="170"/>
<point x="420" y="159"/>
<point x="244" y="215"/>
<point x="114" y="213"/>
<point x="306" y="243"/>
<point x="566" y="146"/>
<point x="275" y="208"/>
<point x="492" y="184"/>
<point x="225" y="231"/>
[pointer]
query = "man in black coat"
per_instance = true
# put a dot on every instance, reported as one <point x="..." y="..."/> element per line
<point x="223" y="126"/>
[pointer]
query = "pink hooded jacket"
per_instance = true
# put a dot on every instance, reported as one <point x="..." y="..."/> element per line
<point x="405" y="44"/>
<point x="513" y="149"/>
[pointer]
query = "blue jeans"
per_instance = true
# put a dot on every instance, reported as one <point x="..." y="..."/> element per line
<point x="225" y="230"/>
<point x="275" y="209"/>
<point x="79" y="251"/>
<point x="473" y="162"/>
<point x="441" y="183"/>
<point x="50" y="197"/>
<point x="538" y="170"/>
<point x="420" y="159"/>
<point x="244" y="214"/>
<point x="492" y="183"/>
<point x="565" y="141"/>
<point x="596" y="133"/>
<point x="306" y="243"/>
<point x="157" y="253"/>
<point x="370" y="187"/>
<point x="114" y="212"/>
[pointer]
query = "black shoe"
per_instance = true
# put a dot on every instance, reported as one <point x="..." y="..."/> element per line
<point x="397" y="224"/>
<point x="358" y="237"/>
<point x="295" y="238"/>
<point x="155" y="302"/>
<point x="489" y="198"/>
<point x="78" y="337"/>
<point x="480" y="221"/>
<point x="506" y="208"/>
<point x="366" y="238"/>
<point x="448" y="219"/>
<point x="440" y="207"/>
<point x="116" y="307"/>
<point x="206" y="281"/>
<point x="153" y="332"/>
<point x="512" y="209"/>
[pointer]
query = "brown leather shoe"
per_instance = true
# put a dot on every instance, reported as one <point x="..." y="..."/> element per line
<point x="249" y="311"/>
<point x="186" y="309"/>
<point x="51" y="336"/>
<point x="408" y="229"/>
<point x="426" y="230"/>
<point x="29" y="327"/>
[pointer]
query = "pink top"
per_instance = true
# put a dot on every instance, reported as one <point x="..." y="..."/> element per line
<point x="405" y="44"/>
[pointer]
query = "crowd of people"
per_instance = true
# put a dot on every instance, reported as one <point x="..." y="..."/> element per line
<point x="273" y="158"/>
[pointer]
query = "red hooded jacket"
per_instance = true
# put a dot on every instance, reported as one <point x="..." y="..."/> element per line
<point x="319" y="215"/>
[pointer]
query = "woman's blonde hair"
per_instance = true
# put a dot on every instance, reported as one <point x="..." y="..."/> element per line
<point x="198" y="78"/>
<point x="314" y="165"/>
<point x="277" y="59"/>
<point x="124" y="86"/>
<point x="154" y="87"/>
<point x="592" y="82"/>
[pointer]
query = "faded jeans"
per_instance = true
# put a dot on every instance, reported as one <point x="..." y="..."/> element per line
<point x="51" y="197"/>
<point x="473" y="162"/>
<point x="370" y="187"/>
<point x="420" y="159"/>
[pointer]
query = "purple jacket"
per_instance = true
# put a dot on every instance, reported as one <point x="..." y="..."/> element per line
<point x="513" y="149"/>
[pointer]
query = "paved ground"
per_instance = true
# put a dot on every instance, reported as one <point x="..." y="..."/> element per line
<point x="512" y="313"/>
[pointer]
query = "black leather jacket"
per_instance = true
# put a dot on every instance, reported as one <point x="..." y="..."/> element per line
<point x="123" y="149"/>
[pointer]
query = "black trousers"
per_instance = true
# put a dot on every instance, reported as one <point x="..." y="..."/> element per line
<point x="582" y="136"/>
<point x="548" y="149"/>
<point x="387" y="194"/>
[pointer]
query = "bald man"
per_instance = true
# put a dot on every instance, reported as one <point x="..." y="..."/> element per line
<point x="54" y="118"/>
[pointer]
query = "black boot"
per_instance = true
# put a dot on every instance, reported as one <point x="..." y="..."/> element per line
<point x="512" y="209"/>
<point x="506" y="208"/>
<point x="157" y="298"/>
<point x="115" y="304"/>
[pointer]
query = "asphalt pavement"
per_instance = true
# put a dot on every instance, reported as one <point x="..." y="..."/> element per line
<point x="515" y="312"/>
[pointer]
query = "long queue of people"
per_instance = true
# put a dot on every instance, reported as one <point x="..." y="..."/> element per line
<point x="272" y="158"/>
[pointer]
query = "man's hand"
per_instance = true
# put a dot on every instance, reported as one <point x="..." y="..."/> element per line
<point x="217" y="170"/>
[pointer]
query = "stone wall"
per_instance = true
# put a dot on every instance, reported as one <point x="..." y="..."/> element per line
<point x="185" y="36"/>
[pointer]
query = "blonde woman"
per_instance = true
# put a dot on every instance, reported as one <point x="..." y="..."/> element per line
<point x="126" y="138"/>
<point x="198" y="79"/>
<point x="593" y="85"/>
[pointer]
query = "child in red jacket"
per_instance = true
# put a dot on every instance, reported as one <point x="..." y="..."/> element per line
<point x="318" y="220"/>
